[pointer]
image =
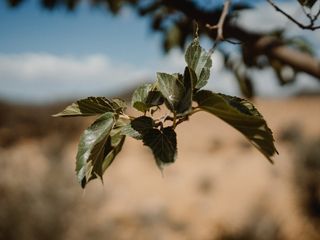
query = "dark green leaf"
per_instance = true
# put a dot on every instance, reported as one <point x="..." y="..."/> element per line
<point x="92" y="106"/>
<point x="242" y="115"/>
<point x="307" y="3"/>
<point x="142" y="124"/>
<point x="163" y="145"/>
<point x="177" y="90"/>
<point x="112" y="148"/>
<point x="137" y="127"/>
<point x="145" y="97"/>
<point x="154" y="98"/>
<point x="91" y="149"/>
<point x="199" y="61"/>
<point x="185" y="103"/>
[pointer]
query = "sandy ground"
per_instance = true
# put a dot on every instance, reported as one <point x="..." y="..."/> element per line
<point x="219" y="187"/>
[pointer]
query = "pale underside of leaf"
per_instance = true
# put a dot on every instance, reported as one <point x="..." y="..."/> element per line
<point x="171" y="87"/>
<point x="145" y="97"/>
<point x="199" y="61"/>
<point x="177" y="90"/>
<point x="139" y="97"/>
<point x="129" y="131"/>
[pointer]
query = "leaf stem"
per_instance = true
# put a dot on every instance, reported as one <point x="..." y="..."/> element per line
<point x="186" y="118"/>
<point x="174" y="122"/>
<point x="126" y="117"/>
<point x="195" y="110"/>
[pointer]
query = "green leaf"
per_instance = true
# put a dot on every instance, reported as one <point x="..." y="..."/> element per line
<point x="171" y="87"/>
<point x="186" y="100"/>
<point x="145" y="97"/>
<point x="119" y="103"/>
<point x="163" y="144"/>
<point x="199" y="61"/>
<point x="307" y="3"/>
<point x="129" y="131"/>
<point x="177" y="90"/>
<point x="92" y="106"/>
<point x="154" y="98"/>
<point x="142" y="124"/>
<point x="242" y="115"/>
<point x="112" y="148"/>
<point x="139" y="126"/>
<point x="139" y="97"/>
<point x="91" y="148"/>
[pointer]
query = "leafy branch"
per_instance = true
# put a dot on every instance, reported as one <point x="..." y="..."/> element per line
<point x="182" y="96"/>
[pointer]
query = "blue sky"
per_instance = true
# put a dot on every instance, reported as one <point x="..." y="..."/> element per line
<point x="30" y="28"/>
<point x="47" y="56"/>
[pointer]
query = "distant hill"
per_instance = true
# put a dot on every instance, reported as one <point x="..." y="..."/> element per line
<point x="19" y="122"/>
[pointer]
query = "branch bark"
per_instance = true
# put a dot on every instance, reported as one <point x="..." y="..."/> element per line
<point x="219" y="25"/>
<point x="260" y="43"/>
<point x="300" y="61"/>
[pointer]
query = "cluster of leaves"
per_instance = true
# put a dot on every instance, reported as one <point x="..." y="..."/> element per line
<point x="182" y="95"/>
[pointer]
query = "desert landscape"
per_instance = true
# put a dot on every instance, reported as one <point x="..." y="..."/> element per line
<point x="219" y="188"/>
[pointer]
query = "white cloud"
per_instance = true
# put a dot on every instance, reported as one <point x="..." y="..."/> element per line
<point x="42" y="76"/>
<point x="171" y="63"/>
<point x="264" y="17"/>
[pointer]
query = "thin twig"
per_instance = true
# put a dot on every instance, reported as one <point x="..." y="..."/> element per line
<point x="233" y="42"/>
<point x="317" y="14"/>
<point x="219" y="25"/>
<point x="126" y="117"/>
<point x="311" y="18"/>
<point x="303" y="26"/>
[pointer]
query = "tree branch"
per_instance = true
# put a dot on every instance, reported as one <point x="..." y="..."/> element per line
<point x="219" y="25"/>
<point x="274" y="49"/>
<point x="292" y="19"/>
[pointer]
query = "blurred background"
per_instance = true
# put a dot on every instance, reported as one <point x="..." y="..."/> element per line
<point x="55" y="51"/>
